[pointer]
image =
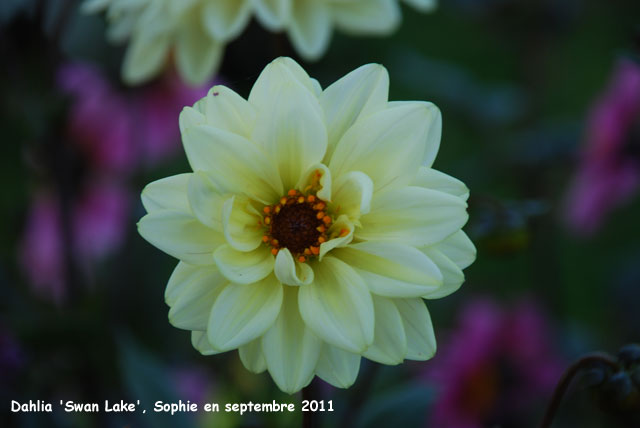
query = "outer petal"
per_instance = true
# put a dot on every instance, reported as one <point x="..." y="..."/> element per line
<point x="252" y="357"/>
<point x="353" y="193"/>
<point x="225" y="19"/>
<point x="358" y="94"/>
<point x="436" y="180"/>
<point x="290" y="348"/>
<point x="452" y="274"/>
<point x="459" y="248"/>
<point x="240" y="225"/>
<point x="391" y="269"/>
<point x="243" y="267"/>
<point x="371" y="145"/>
<point x="201" y="343"/>
<point x="390" y="342"/>
<point x="338" y="306"/>
<point x="226" y="110"/>
<point x="434" y="132"/>
<point x="197" y="54"/>
<point x="191" y="293"/>
<point x="205" y="200"/>
<point x="290" y="272"/>
<point x="167" y="194"/>
<point x="180" y="235"/>
<point x="292" y="131"/>
<point x="368" y="17"/>
<point x="414" y="216"/>
<point x="244" y="312"/>
<point x="310" y="28"/>
<point x="239" y="165"/>
<point x="421" y="340"/>
<point x="280" y="71"/>
<point x="337" y="367"/>
<point x="273" y="14"/>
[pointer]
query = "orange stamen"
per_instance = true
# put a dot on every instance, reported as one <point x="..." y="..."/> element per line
<point x="292" y="192"/>
<point x="265" y="238"/>
<point x="344" y="232"/>
<point x="274" y="251"/>
<point x="267" y="209"/>
<point x="315" y="250"/>
<point x="302" y="259"/>
<point x="320" y="215"/>
<point x="326" y="219"/>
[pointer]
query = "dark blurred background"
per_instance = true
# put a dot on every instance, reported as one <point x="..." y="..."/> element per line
<point x="541" y="119"/>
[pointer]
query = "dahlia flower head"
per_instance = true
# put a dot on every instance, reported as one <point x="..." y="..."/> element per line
<point x="196" y="31"/>
<point x="311" y="227"/>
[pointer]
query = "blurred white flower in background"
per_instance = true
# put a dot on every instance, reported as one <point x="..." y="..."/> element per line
<point x="194" y="32"/>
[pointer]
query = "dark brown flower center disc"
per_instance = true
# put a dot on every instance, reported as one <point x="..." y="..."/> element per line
<point x="295" y="227"/>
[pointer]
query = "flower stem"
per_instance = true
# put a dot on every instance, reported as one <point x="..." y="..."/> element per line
<point x="561" y="388"/>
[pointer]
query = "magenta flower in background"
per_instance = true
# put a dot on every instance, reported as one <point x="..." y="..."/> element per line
<point x="119" y="131"/>
<point x="493" y="367"/>
<point x="11" y="357"/>
<point x="116" y="132"/>
<point x="99" y="218"/>
<point x="607" y="175"/>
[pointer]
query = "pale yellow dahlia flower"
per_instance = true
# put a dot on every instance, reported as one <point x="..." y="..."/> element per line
<point x="194" y="31"/>
<point x="312" y="226"/>
<point x="309" y="23"/>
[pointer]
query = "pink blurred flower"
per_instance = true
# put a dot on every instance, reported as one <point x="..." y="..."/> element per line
<point x="493" y="366"/>
<point x="119" y="131"/>
<point x="98" y="225"/>
<point x="115" y="132"/>
<point x="607" y="176"/>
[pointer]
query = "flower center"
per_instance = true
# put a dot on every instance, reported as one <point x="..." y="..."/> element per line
<point x="297" y="222"/>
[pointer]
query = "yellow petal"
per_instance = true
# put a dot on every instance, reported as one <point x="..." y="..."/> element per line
<point x="421" y="341"/>
<point x="291" y="272"/>
<point x="290" y="347"/>
<point x="392" y="269"/>
<point x="436" y="180"/>
<point x="414" y="216"/>
<point x="233" y="162"/>
<point x="337" y="367"/>
<point x="180" y="235"/>
<point x="292" y="131"/>
<point x="390" y="342"/>
<point x="337" y="306"/>
<point x="244" y="267"/>
<point x="242" y="313"/>
<point x="358" y="94"/>
<point x="168" y="193"/>
<point x="371" y="145"/>
<point x="240" y="224"/>
<point x="252" y="357"/>
<point x="191" y="293"/>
